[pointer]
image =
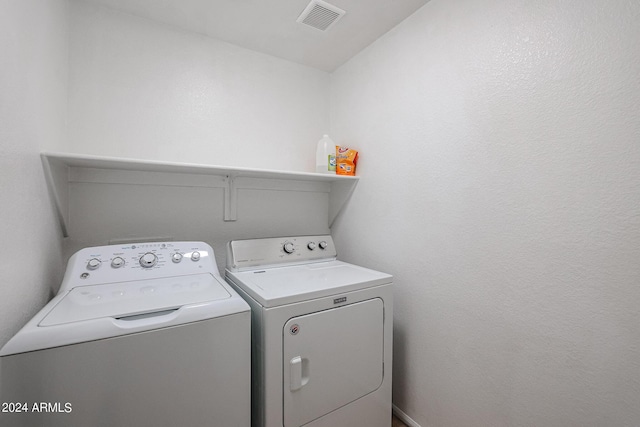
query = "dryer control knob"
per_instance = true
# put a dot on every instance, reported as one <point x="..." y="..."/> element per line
<point x="323" y="245"/>
<point x="177" y="257"/>
<point x="311" y="246"/>
<point x="148" y="260"/>
<point x="288" y="248"/>
<point x="93" y="264"/>
<point x="195" y="256"/>
<point x="117" y="262"/>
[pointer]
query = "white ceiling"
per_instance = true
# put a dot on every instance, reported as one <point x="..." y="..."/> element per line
<point x="270" y="26"/>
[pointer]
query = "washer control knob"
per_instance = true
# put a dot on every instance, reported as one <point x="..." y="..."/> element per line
<point x="323" y="245"/>
<point x="288" y="248"/>
<point x="117" y="262"/>
<point x="93" y="264"/>
<point x="195" y="256"/>
<point x="311" y="246"/>
<point x="177" y="257"/>
<point x="148" y="260"/>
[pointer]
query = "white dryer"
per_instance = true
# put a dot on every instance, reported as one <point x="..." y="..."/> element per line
<point x="322" y="333"/>
<point x="138" y="334"/>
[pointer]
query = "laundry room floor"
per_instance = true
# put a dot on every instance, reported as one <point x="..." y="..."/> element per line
<point x="397" y="423"/>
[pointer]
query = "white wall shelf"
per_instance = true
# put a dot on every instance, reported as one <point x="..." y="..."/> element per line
<point x="61" y="169"/>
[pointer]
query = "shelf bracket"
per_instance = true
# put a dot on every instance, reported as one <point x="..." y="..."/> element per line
<point x="230" y="198"/>
<point x="340" y="193"/>
<point x="56" y="174"/>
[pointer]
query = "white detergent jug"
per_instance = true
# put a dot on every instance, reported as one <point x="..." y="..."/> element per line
<point x="326" y="155"/>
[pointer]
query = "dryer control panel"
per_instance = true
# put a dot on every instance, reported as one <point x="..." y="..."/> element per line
<point x="138" y="261"/>
<point x="259" y="253"/>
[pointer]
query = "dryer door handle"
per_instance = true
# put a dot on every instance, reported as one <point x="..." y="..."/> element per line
<point x="298" y="373"/>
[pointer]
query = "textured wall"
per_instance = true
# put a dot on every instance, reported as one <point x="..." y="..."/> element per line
<point x="146" y="90"/>
<point x="33" y="94"/>
<point x="500" y="165"/>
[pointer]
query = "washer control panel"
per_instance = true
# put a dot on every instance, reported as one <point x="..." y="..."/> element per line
<point x="138" y="261"/>
<point x="254" y="253"/>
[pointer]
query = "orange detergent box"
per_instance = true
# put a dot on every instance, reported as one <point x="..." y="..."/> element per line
<point x="346" y="160"/>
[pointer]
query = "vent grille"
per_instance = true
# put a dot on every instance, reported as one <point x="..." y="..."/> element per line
<point x="320" y="15"/>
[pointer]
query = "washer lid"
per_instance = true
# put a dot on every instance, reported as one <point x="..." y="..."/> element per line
<point x="121" y="300"/>
<point x="272" y="287"/>
<point x="89" y="313"/>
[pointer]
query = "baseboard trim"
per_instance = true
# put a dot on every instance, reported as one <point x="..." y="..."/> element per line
<point x="404" y="417"/>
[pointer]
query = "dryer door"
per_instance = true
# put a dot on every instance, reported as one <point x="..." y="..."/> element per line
<point x="331" y="358"/>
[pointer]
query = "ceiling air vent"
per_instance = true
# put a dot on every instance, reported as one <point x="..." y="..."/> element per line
<point x="320" y="15"/>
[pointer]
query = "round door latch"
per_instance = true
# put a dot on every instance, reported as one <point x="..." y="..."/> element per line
<point x="294" y="329"/>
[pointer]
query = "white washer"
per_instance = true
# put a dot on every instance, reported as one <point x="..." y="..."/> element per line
<point x="322" y="333"/>
<point x="138" y="334"/>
